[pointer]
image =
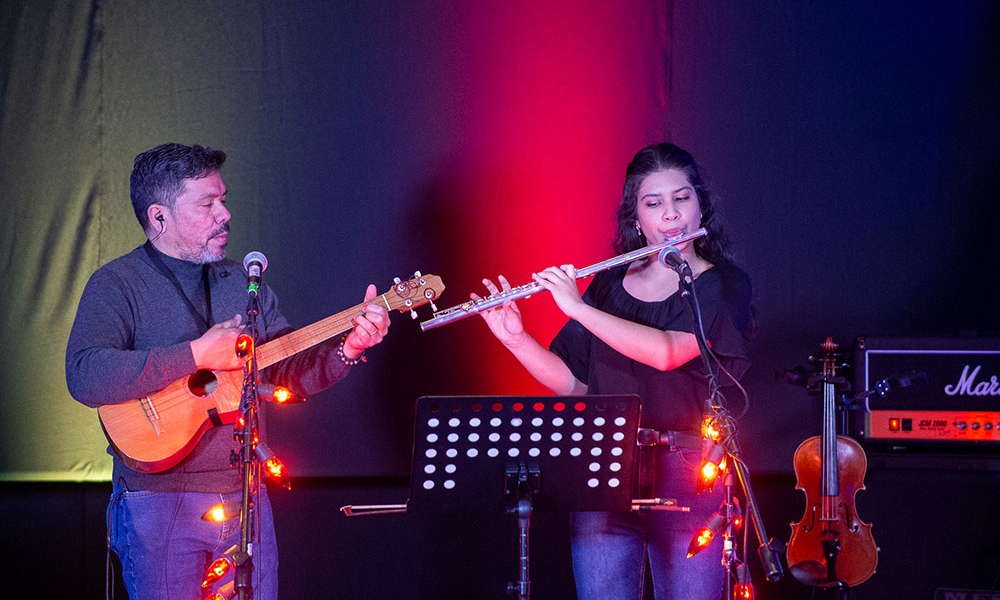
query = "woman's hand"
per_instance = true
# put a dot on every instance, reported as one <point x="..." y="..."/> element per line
<point x="504" y="320"/>
<point x="506" y="324"/>
<point x="561" y="281"/>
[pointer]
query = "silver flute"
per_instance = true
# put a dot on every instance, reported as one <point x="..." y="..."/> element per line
<point x="473" y="307"/>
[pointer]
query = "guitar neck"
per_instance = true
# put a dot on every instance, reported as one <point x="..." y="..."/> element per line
<point x="290" y="344"/>
<point x="402" y="296"/>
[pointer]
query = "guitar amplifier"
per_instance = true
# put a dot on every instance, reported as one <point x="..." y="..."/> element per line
<point x="927" y="392"/>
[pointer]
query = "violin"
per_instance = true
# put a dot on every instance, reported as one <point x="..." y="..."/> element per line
<point x="831" y="546"/>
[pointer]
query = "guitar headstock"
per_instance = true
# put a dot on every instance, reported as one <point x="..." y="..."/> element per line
<point x="415" y="291"/>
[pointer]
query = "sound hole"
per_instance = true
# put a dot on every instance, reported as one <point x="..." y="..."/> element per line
<point x="202" y="383"/>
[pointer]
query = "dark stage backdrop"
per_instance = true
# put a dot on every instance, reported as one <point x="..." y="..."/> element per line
<point x="366" y="140"/>
<point x="852" y="147"/>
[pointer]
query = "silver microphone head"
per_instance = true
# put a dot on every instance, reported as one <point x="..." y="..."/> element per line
<point x="255" y="257"/>
<point x="671" y="257"/>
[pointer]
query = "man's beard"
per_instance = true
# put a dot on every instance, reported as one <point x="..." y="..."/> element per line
<point x="204" y="254"/>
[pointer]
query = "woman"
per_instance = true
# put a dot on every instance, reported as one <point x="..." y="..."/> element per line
<point x="632" y="333"/>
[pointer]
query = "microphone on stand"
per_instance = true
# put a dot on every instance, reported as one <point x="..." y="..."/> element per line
<point x="254" y="263"/>
<point x="671" y="257"/>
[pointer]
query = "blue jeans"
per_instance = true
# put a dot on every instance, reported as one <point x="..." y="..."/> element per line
<point x="610" y="549"/>
<point x="164" y="546"/>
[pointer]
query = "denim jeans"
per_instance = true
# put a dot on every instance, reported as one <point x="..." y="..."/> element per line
<point x="165" y="547"/>
<point x="610" y="549"/>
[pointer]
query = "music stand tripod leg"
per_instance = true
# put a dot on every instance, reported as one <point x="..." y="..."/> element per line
<point x="522" y="484"/>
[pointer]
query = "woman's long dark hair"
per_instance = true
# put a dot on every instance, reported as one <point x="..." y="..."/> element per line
<point x="714" y="246"/>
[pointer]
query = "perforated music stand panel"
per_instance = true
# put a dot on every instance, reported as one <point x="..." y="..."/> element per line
<point x="579" y="450"/>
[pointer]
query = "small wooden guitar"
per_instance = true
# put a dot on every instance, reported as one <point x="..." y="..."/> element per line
<point x="154" y="433"/>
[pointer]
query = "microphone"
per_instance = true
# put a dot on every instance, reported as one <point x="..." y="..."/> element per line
<point x="671" y="257"/>
<point x="254" y="263"/>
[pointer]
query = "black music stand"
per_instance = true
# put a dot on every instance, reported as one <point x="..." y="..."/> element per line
<point x="519" y="453"/>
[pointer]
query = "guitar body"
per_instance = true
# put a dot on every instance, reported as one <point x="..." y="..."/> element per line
<point x="155" y="433"/>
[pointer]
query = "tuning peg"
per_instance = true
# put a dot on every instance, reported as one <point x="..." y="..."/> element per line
<point x="413" y="314"/>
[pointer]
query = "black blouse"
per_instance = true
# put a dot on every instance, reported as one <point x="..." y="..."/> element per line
<point x="673" y="399"/>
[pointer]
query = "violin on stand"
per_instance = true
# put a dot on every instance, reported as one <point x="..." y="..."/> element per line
<point x="831" y="546"/>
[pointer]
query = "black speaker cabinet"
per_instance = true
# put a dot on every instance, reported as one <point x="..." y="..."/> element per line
<point x="934" y="519"/>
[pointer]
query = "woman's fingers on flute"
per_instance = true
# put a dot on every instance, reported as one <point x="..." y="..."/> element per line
<point x="492" y="288"/>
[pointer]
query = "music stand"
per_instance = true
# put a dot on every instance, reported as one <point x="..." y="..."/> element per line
<point x="519" y="453"/>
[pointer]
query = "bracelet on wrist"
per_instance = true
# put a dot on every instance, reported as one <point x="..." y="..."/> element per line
<point x="350" y="362"/>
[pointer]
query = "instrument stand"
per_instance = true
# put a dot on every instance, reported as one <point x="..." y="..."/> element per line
<point x="843" y="590"/>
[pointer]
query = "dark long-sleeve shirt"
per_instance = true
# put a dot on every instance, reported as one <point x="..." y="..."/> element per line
<point x="131" y="338"/>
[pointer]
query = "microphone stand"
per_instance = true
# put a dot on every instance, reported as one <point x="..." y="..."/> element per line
<point x="715" y="404"/>
<point x="248" y="465"/>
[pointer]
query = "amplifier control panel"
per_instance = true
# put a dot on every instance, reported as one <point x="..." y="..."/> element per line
<point x="896" y="425"/>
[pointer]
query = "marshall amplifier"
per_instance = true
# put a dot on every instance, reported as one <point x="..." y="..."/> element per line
<point x="928" y="392"/>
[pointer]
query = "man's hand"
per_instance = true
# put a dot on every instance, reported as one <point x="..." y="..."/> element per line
<point x="215" y="350"/>
<point x="370" y="327"/>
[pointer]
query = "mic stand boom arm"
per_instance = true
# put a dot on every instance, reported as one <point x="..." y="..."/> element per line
<point x="768" y="549"/>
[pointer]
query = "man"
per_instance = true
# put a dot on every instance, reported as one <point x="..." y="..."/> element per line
<point x="157" y="315"/>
